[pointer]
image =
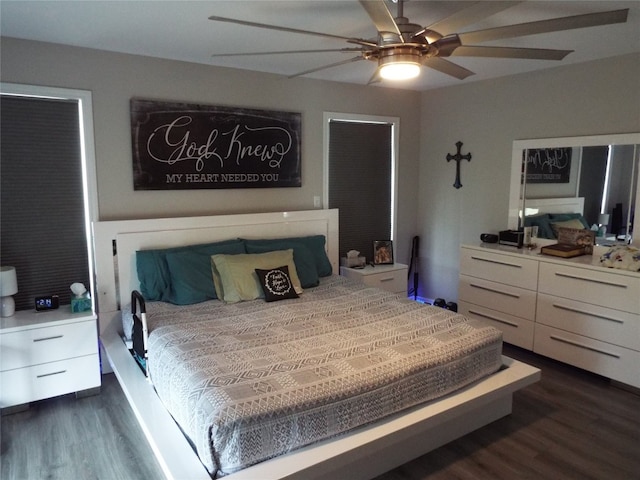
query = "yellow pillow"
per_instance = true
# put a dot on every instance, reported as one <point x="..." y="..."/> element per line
<point x="235" y="278"/>
<point x="573" y="223"/>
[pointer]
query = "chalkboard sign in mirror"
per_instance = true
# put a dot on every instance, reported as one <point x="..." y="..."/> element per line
<point x="547" y="165"/>
<point x="178" y="146"/>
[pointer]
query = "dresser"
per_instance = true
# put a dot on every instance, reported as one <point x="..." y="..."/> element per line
<point x="392" y="278"/>
<point x="567" y="309"/>
<point x="46" y="354"/>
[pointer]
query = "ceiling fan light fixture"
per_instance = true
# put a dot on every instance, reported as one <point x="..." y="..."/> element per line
<point x="399" y="67"/>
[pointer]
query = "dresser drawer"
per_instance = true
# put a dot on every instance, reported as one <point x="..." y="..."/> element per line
<point x="515" y="330"/>
<point x="617" y="363"/>
<point x="510" y="270"/>
<point x="24" y="385"/>
<point x="605" y="324"/>
<point x="497" y="296"/>
<point x="599" y="288"/>
<point x="47" y="344"/>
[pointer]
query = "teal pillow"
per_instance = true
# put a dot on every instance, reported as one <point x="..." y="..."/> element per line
<point x="153" y="274"/>
<point x="543" y="222"/>
<point x="302" y="257"/>
<point x="153" y="269"/>
<point x="315" y="244"/>
<point x="191" y="278"/>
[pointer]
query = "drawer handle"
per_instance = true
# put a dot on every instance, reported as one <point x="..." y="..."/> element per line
<point x="586" y="347"/>
<point x="577" y="310"/>
<point x="387" y="279"/>
<point x="490" y="317"/>
<point x="602" y="282"/>
<point x="481" y="287"/>
<point x="52" y="373"/>
<point x="496" y="261"/>
<point x="47" y="338"/>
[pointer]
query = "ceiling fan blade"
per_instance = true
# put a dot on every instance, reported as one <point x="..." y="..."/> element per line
<point x="382" y="17"/>
<point x="275" y="27"/>
<point x="343" y="50"/>
<point x="467" y="16"/>
<point x="366" y="43"/>
<point x="545" y="26"/>
<point x="447" y="67"/>
<point x="510" y="52"/>
<point x="344" y="62"/>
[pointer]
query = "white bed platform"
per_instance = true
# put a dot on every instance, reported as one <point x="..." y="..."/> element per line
<point x="361" y="454"/>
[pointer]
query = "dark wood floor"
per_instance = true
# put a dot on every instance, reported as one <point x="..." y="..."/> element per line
<point x="570" y="425"/>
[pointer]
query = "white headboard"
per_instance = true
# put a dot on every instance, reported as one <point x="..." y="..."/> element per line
<point x="116" y="276"/>
<point x="536" y="206"/>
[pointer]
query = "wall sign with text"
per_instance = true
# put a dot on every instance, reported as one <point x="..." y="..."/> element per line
<point x="548" y="165"/>
<point x="179" y="146"/>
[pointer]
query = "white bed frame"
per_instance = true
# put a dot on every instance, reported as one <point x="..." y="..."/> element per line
<point x="536" y="206"/>
<point x="361" y="454"/>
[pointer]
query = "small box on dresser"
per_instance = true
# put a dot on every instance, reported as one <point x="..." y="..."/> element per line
<point x="46" y="354"/>
<point x="392" y="278"/>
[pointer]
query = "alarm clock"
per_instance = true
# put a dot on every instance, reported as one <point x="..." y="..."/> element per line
<point x="47" y="302"/>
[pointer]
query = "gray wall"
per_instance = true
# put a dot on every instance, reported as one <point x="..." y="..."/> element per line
<point x="590" y="98"/>
<point x="584" y="99"/>
<point x="115" y="78"/>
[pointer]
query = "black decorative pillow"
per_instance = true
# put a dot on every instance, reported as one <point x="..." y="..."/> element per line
<point x="276" y="283"/>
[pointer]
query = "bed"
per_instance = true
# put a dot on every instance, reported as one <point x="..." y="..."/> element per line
<point x="398" y="437"/>
<point x="548" y="214"/>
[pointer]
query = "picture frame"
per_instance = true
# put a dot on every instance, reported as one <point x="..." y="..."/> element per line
<point x="382" y="252"/>
<point x="584" y="238"/>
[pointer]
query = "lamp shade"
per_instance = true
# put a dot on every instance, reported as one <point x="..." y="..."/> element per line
<point x="8" y="281"/>
<point x="603" y="219"/>
<point x="399" y="63"/>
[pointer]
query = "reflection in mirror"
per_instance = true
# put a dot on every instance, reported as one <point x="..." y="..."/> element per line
<point x="577" y="182"/>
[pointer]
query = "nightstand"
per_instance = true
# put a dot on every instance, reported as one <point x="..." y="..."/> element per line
<point x="46" y="354"/>
<point x="392" y="278"/>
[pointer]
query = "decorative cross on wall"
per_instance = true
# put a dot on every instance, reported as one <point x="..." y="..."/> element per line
<point x="457" y="157"/>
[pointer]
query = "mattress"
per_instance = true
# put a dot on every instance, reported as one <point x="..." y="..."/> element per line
<point x="254" y="380"/>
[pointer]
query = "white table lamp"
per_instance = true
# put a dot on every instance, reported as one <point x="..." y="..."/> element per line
<point x="603" y="221"/>
<point x="8" y="287"/>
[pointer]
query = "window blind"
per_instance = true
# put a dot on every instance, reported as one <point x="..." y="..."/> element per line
<point x="42" y="215"/>
<point x="360" y="178"/>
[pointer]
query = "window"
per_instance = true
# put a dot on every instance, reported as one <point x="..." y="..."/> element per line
<point x="360" y="173"/>
<point x="46" y="200"/>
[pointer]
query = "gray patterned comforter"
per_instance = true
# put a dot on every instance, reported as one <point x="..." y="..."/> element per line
<point x="254" y="380"/>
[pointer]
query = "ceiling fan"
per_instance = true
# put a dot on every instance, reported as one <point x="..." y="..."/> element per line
<point x="402" y="48"/>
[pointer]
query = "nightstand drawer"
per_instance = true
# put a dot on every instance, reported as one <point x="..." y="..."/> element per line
<point x="392" y="278"/>
<point x="510" y="270"/>
<point x="390" y="281"/>
<point x="24" y="385"/>
<point x="47" y="344"/>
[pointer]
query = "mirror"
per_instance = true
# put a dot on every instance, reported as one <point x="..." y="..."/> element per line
<point x="591" y="176"/>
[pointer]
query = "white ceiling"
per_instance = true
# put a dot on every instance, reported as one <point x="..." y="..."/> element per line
<point x="181" y="30"/>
